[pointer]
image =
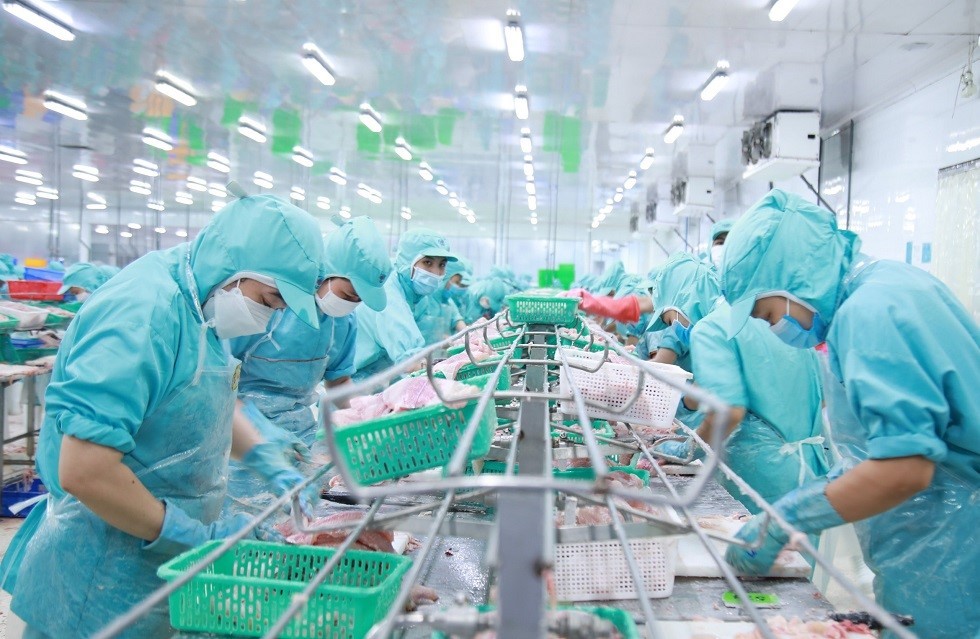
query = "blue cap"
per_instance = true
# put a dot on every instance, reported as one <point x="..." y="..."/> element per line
<point x="357" y="252"/>
<point x="414" y="245"/>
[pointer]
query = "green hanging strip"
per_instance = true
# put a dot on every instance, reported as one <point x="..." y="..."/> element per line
<point x="286" y="127"/>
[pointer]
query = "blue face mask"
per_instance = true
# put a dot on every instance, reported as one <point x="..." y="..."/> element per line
<point x="456" y="291"/>
<point x="683" y="333"/>
<point x="792" y="333"/>
<point x="424" y="283"/>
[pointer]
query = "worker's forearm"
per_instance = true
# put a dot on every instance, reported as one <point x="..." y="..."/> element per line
<point x="646" y="304"/>
<point x="340" y="381"/>
<point x="460" y="325"/>
<point x="664" y="356"/>
<point x="243" y="434"/>
<point x="96" y="476"/>
<point x="877" y="485"/>
<point x="707" y="428"/>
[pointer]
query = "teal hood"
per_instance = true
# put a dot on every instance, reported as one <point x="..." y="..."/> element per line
<point x="414" y="245"/>
<point x="460" y="267"/>
<point x="84" y="275"/>
<point x="721" y="226"/>
<point x="611" y="279"/>
<point x="262" y="234"/>
<point x="686" y="284"/>
<point x="784" y="243"/>
<point x="356" y="251"/>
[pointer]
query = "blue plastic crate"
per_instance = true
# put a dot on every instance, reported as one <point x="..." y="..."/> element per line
<point x="43" y="274"/>
<point x="17" y="492"/>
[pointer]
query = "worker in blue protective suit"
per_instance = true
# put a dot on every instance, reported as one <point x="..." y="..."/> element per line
<point x="438" y="316"/>
<point x="282" y="366"/>
<point x="632" y="331"/>
<point x="903" y="368"/>
<point x="755" y="374"/>
<point x="719" y="233"/>
<point x="486" y="299"/>
<point x="82" y="279"/>
<point x="139" y="419"/>
<point x="611" y="279"/>
<point x="391" y="336"/>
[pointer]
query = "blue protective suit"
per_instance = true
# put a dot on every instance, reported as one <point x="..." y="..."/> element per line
<point x="904" y="368"/>
<point x="140" y="372"/>
<point x="754" y="371"/>
<point x="84" y="275"/>
<point x="611" y="279"/>
<point x="436" y="316"/>
<point x="491" y="290"/>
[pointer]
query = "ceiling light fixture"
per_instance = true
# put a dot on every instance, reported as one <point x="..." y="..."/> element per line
<point x="442" y="188"/>
<point x="263" y="180"/>
<point x="369" y="194"/>
<point x="532" y="203"/>
<point x="135" y="226"/>
<point x="454" y="200"/>
<point x="716" y="81"/>
<point x="316" y="64"/>
<point x="425" y="172"/>
<point x="534" y="221"/>
<point x="345" y="212"/>
<point x="606" y="210"/>
<point x="302" y="157"/>
<point x="97" y="204"/>
<point x="87" y="173"/>
<point x="674" y="131"/>
<point x="217" y="190"/>
<point x="218" y="162"/>
<point x="514" y="36"/>
<point x="406" y="213"/>
<point x="173" y="87"/>
<point x="160" y="229"/>
<point x="780" y="9"/>
<point x="145" y="167"/>
<point x="618" y="197"/>
<point x="337" y="176"/>
<point x="529" y="186"/>
<point x="402" y="149"/>
<point x="196" y="184"/>
<point x="126" y="234"/>
<point x="102" y="229"/>
<point x="370" y="118"/>
<point x="29" y="177"/>
<point x="181" y="233"/>
<point x="75" y="109"/>
<point x="183" y="197"/>
<point x="647" y="160"/>
<point x="23" y="197"/>
<point x="43" y="19"/>
<point x="155" y="205"/>
<point x="12" y="155"/>
<point x="630" y="180"/>
<point x="157" y="139"/>
<point x="252" y="129"/>
<point x="526" y="143"/>
<point x="528" y="167"/>
<point x="297" y="193"/>
<point x="522" y="105"/>
<point x="217" y="205"/>
<point x="323" y="203"/>
<point x="139" y="187"/>
<point x="47" y="193"/>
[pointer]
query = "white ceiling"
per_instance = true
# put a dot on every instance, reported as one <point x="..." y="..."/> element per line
<point x="436" y="69"/>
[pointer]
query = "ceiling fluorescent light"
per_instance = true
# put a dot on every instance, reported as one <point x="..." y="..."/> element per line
<point x="453" y="200"/>
<point x="618" y="197"/>
<point x="530" y="187"/>
<point x="716" y="81"/>
<point x="425" y="172"/>
<point x="647" y="160"/>
<point x="87" y="173"/>
<point x="217" y="205"/>
<point x="345" y="212"/>
<point x="514" y="36"/>
<point x="196" y="184"/>
<point x="155" y="205"/>
<point x="406" y="213"/>
<point x="145" y="167"/>
<point x="28" y="177"/>
<point x="181" y="233"/>
<point x="183" y="197"/>
<point x="403" y="150"/>
<point x="102" y="229"/>
<point x="135" y="226"/>
<point x="47" y="193"/>
<point x="218" y="162"/>
<point x="95" y="206"/>
<point x="297" y="193"/>
<point x="140" y="187"/>
<point x="525" y="144"/>
<point x="675" y="130"/>
<point x="780" y="9"/>
<point x="64" y="105"/>
<point x="302" y="157"/>
<point x="95" y="197"/>
<point x="160" y="229"/>
<point x="442" y="188"/>
<point x="528" y="170"/>
<point x="630" y="180"/>
<point x="43" y="19"/>
<point x="532" y="203"/>
<point x="370" y="118"/>
<point x="126" y="234"/>
<point x="173" y="87"/>
<point x="263" y="180"/>
<point x="252" y="129"/>
<point x="157" y="139"/>
<point x="217" y="190"/>
<point x="522" y="106"/>
<point x="323" y="203"/>
<point x="316" y="64"/>
<point x="12" y="155"/>
<point x="337" y="176"/>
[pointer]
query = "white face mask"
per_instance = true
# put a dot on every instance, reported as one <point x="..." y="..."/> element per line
<point x="717" y="255"/>
<point x="334" y="305"/>
<point x="235" y="315"/>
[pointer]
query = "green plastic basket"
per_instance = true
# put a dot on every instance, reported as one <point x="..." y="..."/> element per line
<point x="74" y="307"/>
<point x="539" y="309"/>
<point x="20" y="355"/>
<point x="252" y="584"/>
<point x="588" y="474"/>
<point x="7" y="323"/>
<point x="398" y="445"/>
<point x="601" y="428"/>
<point x="469" y="372"/>
<point x="620" y="618"/>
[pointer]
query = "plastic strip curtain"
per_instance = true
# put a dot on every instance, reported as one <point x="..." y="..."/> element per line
<point x="957" y="243"/>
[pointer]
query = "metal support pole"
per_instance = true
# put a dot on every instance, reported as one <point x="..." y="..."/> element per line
<point x="530" y="546"/>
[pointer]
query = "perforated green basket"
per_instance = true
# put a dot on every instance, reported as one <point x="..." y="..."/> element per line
<point x="398" y="445"/>
<point x="469" y="372"/>
<point x="252" y="584"/>
<point x="539" y="309"/>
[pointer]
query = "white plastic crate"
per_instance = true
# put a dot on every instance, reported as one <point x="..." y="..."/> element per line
<point x="597" y="570"/>
<point x="614" y="384"/>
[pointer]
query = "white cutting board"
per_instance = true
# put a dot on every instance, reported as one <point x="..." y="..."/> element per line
<point x="712" y="629"/>
<point x="693" y="559"/>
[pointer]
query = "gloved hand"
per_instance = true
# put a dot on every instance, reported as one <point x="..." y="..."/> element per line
<point x="267" y="461"/>
<point x="624" y="309"/>
<point x="288" y="442"/>
<point x="806" y="509"/>
<point x="685" y="450"/>
<point x="180" y="531"/>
